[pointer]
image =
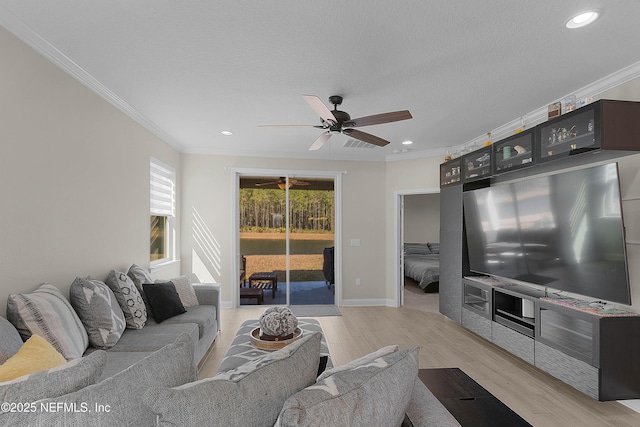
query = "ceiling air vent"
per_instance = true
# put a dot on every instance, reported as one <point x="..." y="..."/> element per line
<point x="354" y="143"/>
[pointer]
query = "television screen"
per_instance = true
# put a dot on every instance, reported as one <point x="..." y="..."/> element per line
<point x="564" y="231"/>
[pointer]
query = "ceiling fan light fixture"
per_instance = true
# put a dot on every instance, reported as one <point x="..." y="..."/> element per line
<point x="284" y="186"/>
<point x="583" y="19"/>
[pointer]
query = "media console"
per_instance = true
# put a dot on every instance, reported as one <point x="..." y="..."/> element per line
<point x="595" y="351"/>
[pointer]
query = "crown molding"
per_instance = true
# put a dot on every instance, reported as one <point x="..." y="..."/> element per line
<point x="34" y="40"/>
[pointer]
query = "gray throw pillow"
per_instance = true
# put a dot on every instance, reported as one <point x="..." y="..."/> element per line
<point x="129" y="298"/>
<point x="116" y="400"/>
<point x="47" y="312"/>
<point x="10" y="342"/>
<point x="250" y="395"/>
<point x="99" y="311"/>
<point x="376" y="393"/>
<point x="74" y="375"/>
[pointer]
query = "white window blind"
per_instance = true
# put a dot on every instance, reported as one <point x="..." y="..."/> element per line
<point x="163" y="189"/>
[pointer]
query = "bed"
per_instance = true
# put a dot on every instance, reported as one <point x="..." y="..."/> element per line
<point x="422" y="264"/>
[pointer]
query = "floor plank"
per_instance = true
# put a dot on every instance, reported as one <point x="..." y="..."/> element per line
<point x="534" y="395"/>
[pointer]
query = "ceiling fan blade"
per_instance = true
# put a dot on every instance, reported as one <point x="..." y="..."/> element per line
<point x="320" y="109"/>
<point x="377" y="119"/>
<point x="294" y="181"/>
<point x="366" y="137"/>
<point x="318" y="143"/>
<point x="262" y="184"/>
<point x="291" y="126"/>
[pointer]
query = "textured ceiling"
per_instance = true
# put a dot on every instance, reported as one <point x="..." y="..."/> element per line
<point x="188" y="70"/>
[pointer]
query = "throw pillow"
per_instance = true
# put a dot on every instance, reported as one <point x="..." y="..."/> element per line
<point x="116" y="401"/>
<point x="185" y="291"/>
<point x="99" y="311"/>
<point x="67" y="378"/>
<point x="163" y="300"/>
<point x="251" y="395"/>
<point x="10" y="342"/>
<point x="35" y="355"/>
<point x="47" y="312"/>
<point x="375" y="393"/>
<point x="416" y="249"/>
<point x="359" y="361"/>
<point x="129" y="298"/>
<point x="434" y="247"/>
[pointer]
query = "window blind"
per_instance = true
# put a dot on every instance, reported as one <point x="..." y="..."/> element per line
<point x="163" y="189"/>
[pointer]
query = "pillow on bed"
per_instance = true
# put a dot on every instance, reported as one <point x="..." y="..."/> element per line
<point x="416" y="249"/>
<point x="434" y="248"/>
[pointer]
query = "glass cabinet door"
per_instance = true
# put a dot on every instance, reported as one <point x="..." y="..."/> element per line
<point x="570" y="134"/>
<point x="513" y="153"/>
<point x="477" y="165"/>
<point x="450" y="172"/>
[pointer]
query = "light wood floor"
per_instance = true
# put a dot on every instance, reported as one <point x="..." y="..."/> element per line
<point x="535" y="396"/>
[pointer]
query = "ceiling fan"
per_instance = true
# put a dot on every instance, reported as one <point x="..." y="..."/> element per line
<point x="337" y="121"/>
<point x="282" y="183"/>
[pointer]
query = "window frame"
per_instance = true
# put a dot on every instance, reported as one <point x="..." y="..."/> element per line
<point x="162" y="202"/>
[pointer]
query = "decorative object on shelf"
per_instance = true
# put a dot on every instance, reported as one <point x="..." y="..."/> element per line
<point x="520" y="149"/>
<point x="523" y="124"/>
<point x="554" y="110"/>
<point x="447" y="153"/>
<point x="569" y="104"/>
<point x="506" y="152"/>
<point x="277" y="324"/>
<point x="488" y="141"/>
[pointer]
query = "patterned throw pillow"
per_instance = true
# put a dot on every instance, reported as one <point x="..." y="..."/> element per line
<point x="74" y="375"/>
<point x="99" y="311"/>
<point x="251" y="395"/>
<point x="47" y="312"/>
<point x="10" y="342"/>
<point x="129" y="298"/>
<point x="185" y="291"/>
<point x="377" y="392"/>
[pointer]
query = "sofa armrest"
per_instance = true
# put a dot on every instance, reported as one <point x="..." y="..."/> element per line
<point x="426" y="410"/>
<point x="209" y="294"/>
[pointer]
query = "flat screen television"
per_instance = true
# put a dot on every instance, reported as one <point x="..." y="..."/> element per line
<point x="564" y="231"/>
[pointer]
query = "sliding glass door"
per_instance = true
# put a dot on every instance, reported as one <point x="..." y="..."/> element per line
<point x="287" y="237"/>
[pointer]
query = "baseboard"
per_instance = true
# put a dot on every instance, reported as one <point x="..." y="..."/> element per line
<point x="633" y="404"/>
<point x="371" y="302"/>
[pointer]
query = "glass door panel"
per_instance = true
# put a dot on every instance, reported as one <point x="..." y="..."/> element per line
<point x="286" y="240"/>
<point x="311" y="241"/>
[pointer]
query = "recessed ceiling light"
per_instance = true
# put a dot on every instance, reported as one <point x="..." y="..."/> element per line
<point x="407" y="142"/>
<point x="584" y="18"/>
<point x="226" y="132"/>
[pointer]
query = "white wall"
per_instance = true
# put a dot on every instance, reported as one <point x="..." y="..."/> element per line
<point x="208" y="226"/>
<point x="422" y="218"/>
<point x="74" y="177"/>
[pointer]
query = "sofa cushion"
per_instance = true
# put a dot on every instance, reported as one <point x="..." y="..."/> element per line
<point x="163" y="300"/>
<point x="368" y="358"/>
<point x="67" y="378"/>
<point x="10" y="341"/>
<point x="139" y="277"/>
<point x="47" y="312"/>
<point x="185" y="290"/>
<point x="374" y="393"/>
<point x="202" y="315"/>
<point x="35" y="355"/>
<point x="116" y="400"/>
<point x="99" y="311"/>
<point x="129" y="299"/>
<point x="250" y="395"/>
<point x="118" y="361"/>
<point x="153" y="337"/>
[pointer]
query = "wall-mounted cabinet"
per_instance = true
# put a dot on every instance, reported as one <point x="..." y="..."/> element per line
<point x="515" y="152"/>
<point x="606" y="125"/>
<point x="450" y="172"/>
<point x="477" y="165"/>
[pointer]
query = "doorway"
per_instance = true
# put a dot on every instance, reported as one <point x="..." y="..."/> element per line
<point x="418" y="231"/>
<point x="286" y="239"/>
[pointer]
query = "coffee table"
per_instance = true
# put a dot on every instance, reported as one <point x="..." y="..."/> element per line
<point x="468" y="401"/>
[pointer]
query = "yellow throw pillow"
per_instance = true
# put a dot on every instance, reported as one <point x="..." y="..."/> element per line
<point x="35" y="355"/>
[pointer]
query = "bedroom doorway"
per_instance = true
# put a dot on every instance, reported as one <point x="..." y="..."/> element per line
<point x="418" y="235"/>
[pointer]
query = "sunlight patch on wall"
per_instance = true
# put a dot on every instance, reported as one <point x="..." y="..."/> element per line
<point x="206" y="251"/>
